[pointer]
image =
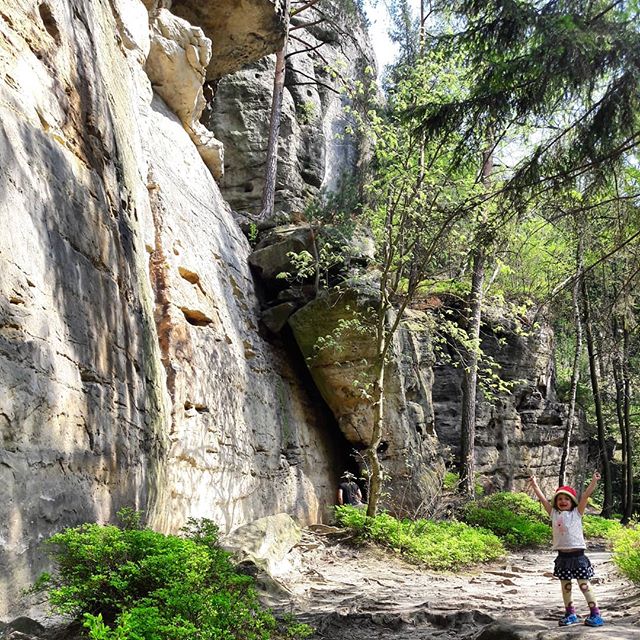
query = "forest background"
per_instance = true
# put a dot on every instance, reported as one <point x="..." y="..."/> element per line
<point x="504" y="172"/>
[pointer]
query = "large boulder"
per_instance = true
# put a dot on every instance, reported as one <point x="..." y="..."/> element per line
<point x="264" y="542"/>
<point x="334" y="333"/>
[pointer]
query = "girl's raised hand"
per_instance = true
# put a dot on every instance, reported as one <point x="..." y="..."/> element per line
<point x="596" y="476"/>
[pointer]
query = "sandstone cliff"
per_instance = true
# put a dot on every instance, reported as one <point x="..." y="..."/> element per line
<point x="138" y="366"/>
<point x="133" y="369"/>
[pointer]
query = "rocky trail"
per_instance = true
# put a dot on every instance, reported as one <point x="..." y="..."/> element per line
<point x="353" y="593"/>
<point x="363" y="593"/>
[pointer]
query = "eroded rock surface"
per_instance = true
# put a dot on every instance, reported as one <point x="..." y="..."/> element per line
<point x="133" y="371"/>
<point x="314" y="151"/>
<point x="342" y="369"/>
<point x="176" y="65"/>
<point x="518" y="433"/>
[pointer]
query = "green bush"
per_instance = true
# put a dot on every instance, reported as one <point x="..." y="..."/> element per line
<point x="599" y="527"/>
<point x="450" y="481"/>
<point x="514" y="517"/>
<point x="132" y="583"/>
<point x="626" y="552"/>
<point x="437" y="545"/>
<point x="521" y="521"/>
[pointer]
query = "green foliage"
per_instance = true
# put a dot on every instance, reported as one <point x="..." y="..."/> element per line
<point x="253" y="234"/>
<point x="136" y="584"/>
<point x="542" y="255"/>
<point x="570" y="66"/>
<point x="304" y="265"/>
<point x="598" y="527"/>
<point x="514" y="517"/>
<point x="450" y="481"/>
<point x="521" y="521"/>
<point x="437" y="545"/>
<point x="452" y="345"/>
<point x="626" y="552"/>
<point x="307" y="112"/>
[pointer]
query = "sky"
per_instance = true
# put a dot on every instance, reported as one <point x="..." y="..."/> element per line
<point x="385" y="50"/>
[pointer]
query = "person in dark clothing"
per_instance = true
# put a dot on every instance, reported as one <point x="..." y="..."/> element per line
<point x="348" y="491"/>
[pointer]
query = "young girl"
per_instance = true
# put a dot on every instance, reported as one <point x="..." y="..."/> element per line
<point x="568" y="539"/>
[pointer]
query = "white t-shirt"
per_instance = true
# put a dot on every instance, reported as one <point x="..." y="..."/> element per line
<point x="567" y="530"/>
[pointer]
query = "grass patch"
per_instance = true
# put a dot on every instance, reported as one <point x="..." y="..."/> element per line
<point x="626" y="552"/>
<point x="132" y="583"/>
<point x="436" y="545"/>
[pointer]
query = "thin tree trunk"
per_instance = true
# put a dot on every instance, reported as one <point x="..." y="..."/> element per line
<point x="597" y="399"/>
<point x="470" y="371"/>
<point x="470" y="379"/>
<point x="271" y="171"/>
<point x="383" y="342"/>
<point x="619" y="382"/>
<point x="375" y="468"/>
<point x="628" y="470"/>
<point x="575" y="371"/>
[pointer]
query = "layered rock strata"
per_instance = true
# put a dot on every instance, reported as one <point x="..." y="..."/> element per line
<point x="518" y="433"/>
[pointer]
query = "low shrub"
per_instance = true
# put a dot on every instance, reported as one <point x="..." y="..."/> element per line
<point x="626" y="552"/>
<point x="437" y="545"/>
<point x="522" y="521"/>
<point x="515" y="517"/>
<point x="599" y="527"/>
<point x="450" y="481"/>
<point x="133" y="583"/>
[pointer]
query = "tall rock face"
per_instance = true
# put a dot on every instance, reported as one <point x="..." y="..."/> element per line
<point x="133" y="369"/>
<point x="520" y="433"/>
<point x="315" y="153"/>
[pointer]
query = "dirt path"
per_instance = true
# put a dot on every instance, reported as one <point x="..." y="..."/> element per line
<point x="358" y="594"/>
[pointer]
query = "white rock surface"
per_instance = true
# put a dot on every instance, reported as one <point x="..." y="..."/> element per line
<point x="132" y="372"/>
<point x="177" y="65"/>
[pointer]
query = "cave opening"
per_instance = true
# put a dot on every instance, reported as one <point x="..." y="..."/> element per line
<point x="340" y="454"/>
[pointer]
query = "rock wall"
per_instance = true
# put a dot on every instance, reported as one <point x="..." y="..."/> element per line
<point x="323" y="63"/>
<point x="409" y="451"/>
<point x="133" y="369"/>
<point x="518" y="433"/>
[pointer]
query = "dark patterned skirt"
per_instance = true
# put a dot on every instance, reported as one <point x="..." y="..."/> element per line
<point x="573" y="565"/>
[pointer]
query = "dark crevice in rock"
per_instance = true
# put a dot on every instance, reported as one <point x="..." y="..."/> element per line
<point x="49" y="22"/>
<point x="343" y="452"/>
<point x="196" y="317"/>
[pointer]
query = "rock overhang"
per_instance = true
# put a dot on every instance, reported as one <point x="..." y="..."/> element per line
<point x="242" y="31"/>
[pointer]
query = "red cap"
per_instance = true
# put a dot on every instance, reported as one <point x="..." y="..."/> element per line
<point x="568" y="491"/>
